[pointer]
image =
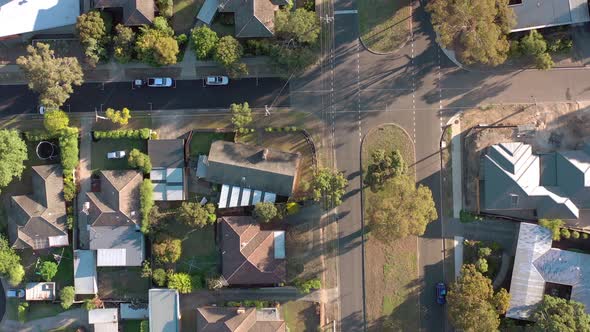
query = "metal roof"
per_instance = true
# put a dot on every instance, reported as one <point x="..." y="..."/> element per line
<point x="85" y="272"/>
<point x="164" y="310"/>
<point x="20" y="17"/>
<point x="40" y="291"/>
<point x="134" y="311"/>
<point x="111" y="257"/>
<point x="208" y="11"/>
<point x="534" y="14"/>
<point x="223" y="196"/>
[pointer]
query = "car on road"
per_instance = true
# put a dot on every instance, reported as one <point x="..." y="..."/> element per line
<point x="15" y="293"/>
<point x="441" y="293"/>
<point x="116" y="155"/>
<point x="217" y="80"/>
<point x="160" y="82"/>
<point x="41" y="110"/>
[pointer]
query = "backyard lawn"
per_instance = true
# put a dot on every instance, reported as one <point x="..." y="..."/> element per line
<point x="65" y="270"/>
<point x="201" y="141"/>
<point x="104" y="146"/>
<point x="391" y="268"/>
<point x="185" y="15"/>
<point x="132" y="325"/>
<point x="199" y="252"/>
<point x="384" y="24"/>
<point x="122" y="284"/>
<point x="300" y="316"/>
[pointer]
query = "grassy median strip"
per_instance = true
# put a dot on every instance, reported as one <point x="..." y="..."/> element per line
<point x="384" y="24"/>
<point x="391" y="268"/>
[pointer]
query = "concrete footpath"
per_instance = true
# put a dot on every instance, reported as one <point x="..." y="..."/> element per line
<point x="188" y="69"/>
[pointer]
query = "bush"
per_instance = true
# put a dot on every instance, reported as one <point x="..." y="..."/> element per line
<point x="89" y="304"/>
<point x="67" y="295"/>
<point x="143" y="133"/>
<point x="181" y="282"/>
<point x="159" y="277"/>
<point x="22" y="311"/>
<point x="68" y="145"/>
<point x="484" y="252"/>
<point x="265" y="211"/>
<point x="575" y="235"/>
<point x="215" y="282"/>
<point x="168" y="250"/>
<point x="119" y="117"/>
<point x="292" y="208"/>
<point x="140" y="160"/>
<point x="123" y="42"/>
<point x="565" y="233"/>
<point x="156" y="46"/>
<point x="38" y="135"/>
<point x="146" y="203"/>
<point x="585" y="236"/>
<point x="467" y="217"/>
<point x="69" y="187"/>
<point x="166" y="8"/>
<point x="305" y="286"/>
<point x="554" y="226"/>
<point x="144" y="326"/>
<point x="257" y="47"/>
<point x="70" y="222"/>
<point x="48" y="270"/>
<point x="204" y="40"/>
<point x="482" y="265"/>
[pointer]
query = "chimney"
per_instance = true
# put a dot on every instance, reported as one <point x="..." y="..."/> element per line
<point x="241" y="310"/>
<point x="264" y="154"/>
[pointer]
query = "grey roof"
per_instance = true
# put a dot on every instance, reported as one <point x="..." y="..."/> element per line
<point x="164" y="310"/>
<point x="244" y="165"/>
<point x="166" y="153"/>
<point x="537" y="263"/>
<point x="134" y="311"/>
<point x="135" y="12"/>
<point x="533" y="14"/>
<point x="208" y="11"/>
<point x="85" y="272"/>
<point x="556" y="185"/>
<point x="20" y="17"/>
<point x="253" y="18"/>
<point x="37" y="217"/>
<point x="119" y="237"/>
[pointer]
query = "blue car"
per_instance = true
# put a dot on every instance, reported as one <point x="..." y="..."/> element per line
<point x="441" y="293"/>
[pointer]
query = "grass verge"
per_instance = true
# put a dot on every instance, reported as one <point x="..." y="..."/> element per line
<point x="384" y="24"/>
<point x="391" y="268"/>
<point x="300" y="316"/>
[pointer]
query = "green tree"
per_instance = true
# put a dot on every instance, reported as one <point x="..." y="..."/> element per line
<point x="383" y="167"/>
<point x="196" y="215"/>
<point x="50" y="76"/>
<point x="159" y="277"/>
<point x="501" y="301"/>
<point x="180" y="281"/>
<point x="67" y="296"/>
<point x="565" y="233"/>
<point x="167" y="250"/>
<point x="93" y="35"/>
<point x="328" y="187"/>
<point x="301" y="25"/>
<point x="90" y="304"/>
<point x="55" y="121"/>
<point x="305" y="286"/>
<point x="475" y="30"/>
<point x="204" y="41"/>
<point x="161" y="23"/>
<point x="146" y="203"/>
<point x="68" y="145"/>
<point x="140" y="160"/>
<point x="10" y="265"/>
<point x="265" y="211"/>
<point x="400" y="209"/>
<point x="557" y="314"/>
<point x="166" y="8"/>
<point x="156" y="47"/>
<point x="484" y="252"/>
<point x="288" y="61"/>
<point x="123" y="42"/>
<point x="241" y="115"/>
<point x="535" y="46"/>
<point x="48" y="270"/>
<point x="554" y="225"/>
<point x="228" y="51"/>
<point x="69" y="187"/>
<point x="121" y="117"/>
<point x="13" y="153"/>
<point x="471" y="304"/>
<point x="482" y="265"/>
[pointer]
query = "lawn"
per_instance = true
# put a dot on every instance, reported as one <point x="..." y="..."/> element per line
<point x="116" y="283"/>
<point x="300" y="316"/>
<point x="384" y="24"/>
<point x="104" y="146"/>
<point x="33" y="159"/>
<point x="201" y="141"/>
<point x="391" y="268"/>
<point x="65" y="271"/>
<point x="302" y="244"/>
<point x="132" y="325"/>
<point x="199" y="251"/>
<point x="38" y="310"/>
<point x="185" y="15"/>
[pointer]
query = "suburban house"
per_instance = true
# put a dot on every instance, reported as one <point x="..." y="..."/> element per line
<point x="104" y="320"/>
<point x="164" y="310"/>
<point x="85" y="272"/>
<point x="113" y="217"/>
<point x="519" y="183"/>
<point x="252" y="18"/>
<point x="40" y="291"/>
<point x="540" y="269"/>
<point x="22" y="20"/>
<point x="536" y="14"/>
<point x="38" y="221"/>
<point x="250" y="255"/>
<point x="167" y="175"/>
<point x="231" y="319"/>
<point x="248" y="173"/>
<point x="128" y="12"/>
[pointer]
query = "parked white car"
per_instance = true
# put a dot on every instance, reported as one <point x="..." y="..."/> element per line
<point x="160" y="82"/>
<point x="41" y="110"/>
<point x="116" y="155"/>
<point x="217" y="80"/>
<point x="15" y="293"/>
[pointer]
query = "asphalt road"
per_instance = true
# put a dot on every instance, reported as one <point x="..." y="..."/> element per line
<point x="17" y="99"/>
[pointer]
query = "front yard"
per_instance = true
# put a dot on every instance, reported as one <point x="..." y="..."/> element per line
<point x="300" y="316"/>
<point x="384" y="24"/>
<point x="101" y="147"/>
<point x="302" y="244"/>
<point x="185" y="15"/>
<point x="116" y="283"/>
<point x="391" y="268"/>
<point x="201" y="141"/>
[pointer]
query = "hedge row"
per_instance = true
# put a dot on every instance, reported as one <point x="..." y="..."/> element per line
<point x="280" y="129"/>
<point x="38" y="135"/>
<point x="143" y="133"/>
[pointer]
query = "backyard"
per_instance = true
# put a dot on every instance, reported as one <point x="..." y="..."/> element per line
<point x="300" y="316"/>
<point x="101" y="147"/>
<point x="384" y="25"/>
<point x="391" y="268"/>
<point x="115" y="283"/>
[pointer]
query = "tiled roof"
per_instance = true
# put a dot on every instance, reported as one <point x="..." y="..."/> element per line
<point x="135" y="12"/>
<point x="253" y="18"/>
<point x="231" y="319"/>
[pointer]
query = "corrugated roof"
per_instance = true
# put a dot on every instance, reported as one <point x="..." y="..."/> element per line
<point x="535" y="14"/>
<point x="164" y="311"/>
<point x="111" y="257"/>
<point x="19" y="17"/>
<point x="85" y="272"/>
<point x="40" y="291"/>
<point x="128" y="238"/>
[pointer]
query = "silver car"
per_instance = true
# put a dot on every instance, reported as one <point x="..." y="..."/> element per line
<point x="160" y="82"/>
<point x="217" y="80"/>
<point x="116" y="155"/>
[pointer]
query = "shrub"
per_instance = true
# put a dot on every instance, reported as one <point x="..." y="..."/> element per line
<point x="55" y="121"/>
<point x="166" y="8"/>
<point x="146" y="202"/>
<point x="575" y="235"/>
<point x="48" y="270"/>
<point x="89" y="304"/>
<point x="159" y="277"/>
<point x="181" y="282"/>
<point x="67" y="295"/>
<point x="144" y="326"/>
<point x="123" y="42"/>
<point x="484" y="252"/>
<point x="305" y="286"/>
<point x="146" y="269"/>
<point x="585" y="236"/>
<point x="69" y="187"/>
<point x="119" y="117"/>
<point x="143" y="133"/>
<point x="482" y="265"/>
<point x="265" y="211"/>
<point x="168" y="250"/>
<point x="292" y="208"/>
<point x="68" y="145"/>
<point x="38" y="135"/>
<point x="554" y="226"/>
<point x="215" y="282"/>
<point x="565" y="233"/>
<point x="140" y="160"/>
<point x="70" y="221"/>
<point x="467" y="217"/>
<point x="22" y="311"/>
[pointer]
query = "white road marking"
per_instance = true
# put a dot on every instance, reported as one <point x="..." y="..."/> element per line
<point x="344" y="12"/>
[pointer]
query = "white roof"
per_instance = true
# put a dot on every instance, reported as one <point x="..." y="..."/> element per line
<point x="22" y="16"/>
<point x="98" y="316"/>
<point x="164" y="310"/>
<point x="270" y="197"/>
<point x="174" y="175"/>
<point x="223" y="197"/>
<point x="174" y="193"/>
<point x="111" y="257"/>
<point x="85" y="272"/>
<point x="159" y="192"/>
<point x="40" y="291"/>
<point x="129" y="311"/>
<point x="245" y="197"/>
<point x="158" y="174"/>
<point x="279" y="244"/>
<point x="235" y="195"/>
<point x="256" y="197"/>
<point x="58" y="241"/>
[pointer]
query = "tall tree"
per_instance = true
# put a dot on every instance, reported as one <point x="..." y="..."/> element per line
<point x="156" y="47"/>
<point x="476" y="30"/>
<point x="535" y="46"/>
<point x="383" y="167"/>
<point x="228" y="51"/>
<point x="140" y="160"/>
<point x="93" y="36"/>
<point x="55" y="121"/>
<point x="241" y="115"/>
<point x="193" y="214"/>
<point x="10" y="265"/>
<point x="13" y="153"/>
<point x="557" y="314"/>
<point x="301" y="25"/>
<point x="328" y="187"/>
<point x="168" y="250"/>
<point x="472" y="305"/>
<point x="67" y="296"/>
<point x="53" y="78"/>
<point x="204" y="41"/>
<point x="401" y="209"/>
<point x="48" y="270"/>
<point x="265" y="211"/>
<point x="123" y="42"/>
<point x="180" y="281"/>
